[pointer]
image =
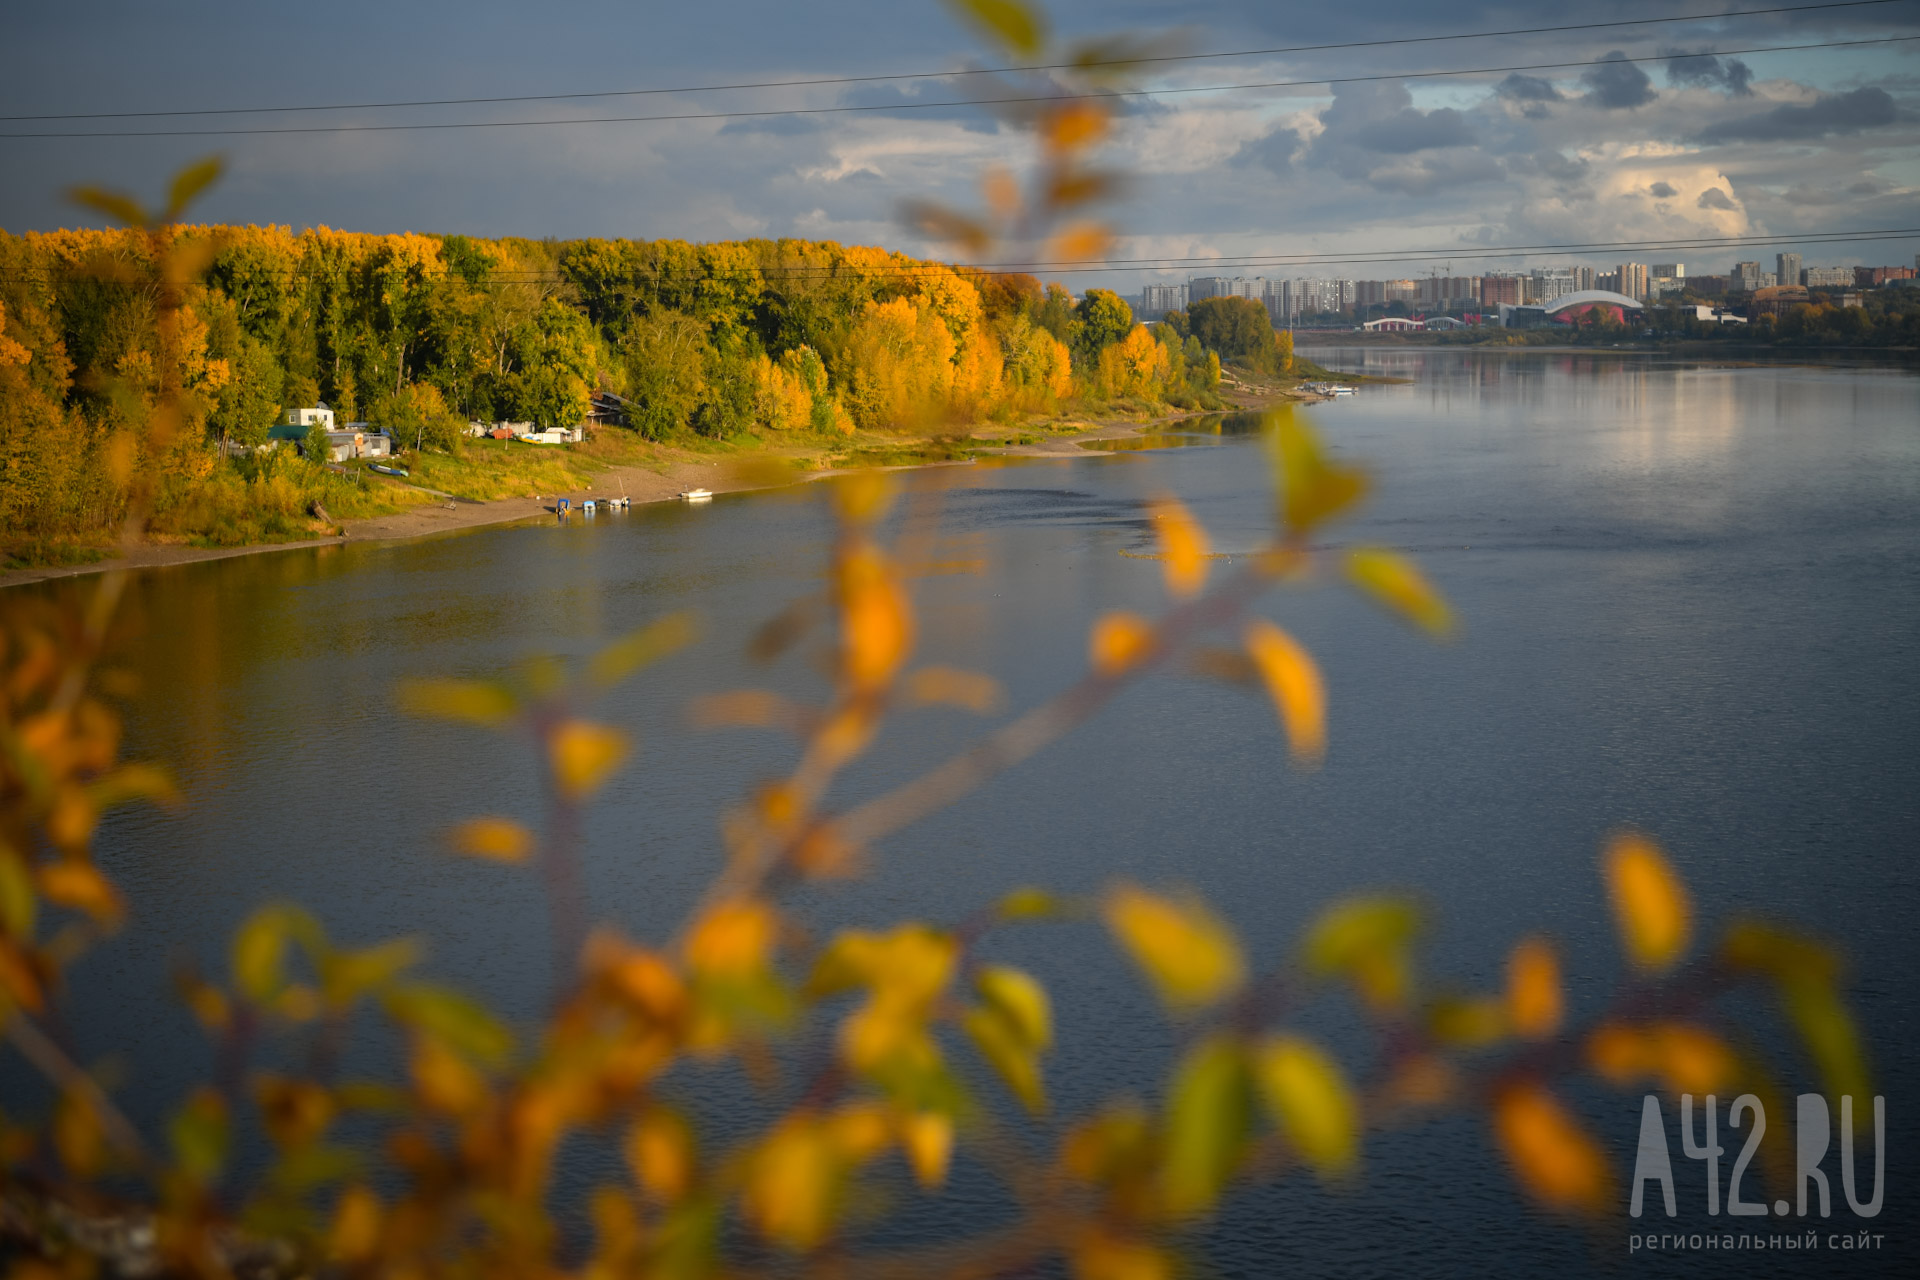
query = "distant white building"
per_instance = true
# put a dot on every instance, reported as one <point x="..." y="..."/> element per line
<point x="319" y="415"/>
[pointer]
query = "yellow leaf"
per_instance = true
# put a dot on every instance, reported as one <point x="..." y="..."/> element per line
<point x="734" y="939"/>
<point x="1395" y="582"/>
<point x="1118" y="641"/>
<point x="497" y="839"/>
<point x="80" y="886"/>
<point x="444" y="1080"/>
<point x="647" y="645"/>
<point x="1313" y="1103"/>
<point x="1313" y="489"/>
<point x="1184" y="545"/>
<point x="1017" y="1062"/>
<point x="876" y="621"/>
<point x="862" y="497"/>
<point x="660" y="1152"/>
<point x="1366" y="940"/>
<point x="794" y="1183"/>
<point x="1192" y="957"/>
<point x="1020" y="29"/>
<point x="1030" y="904"/>
<point x="18" y="904"/>
<point x="928" y="1139"/>
<point x="478" y="702"/>
<point x="862" y="1130"/>
<point x="1105" y="1257"/>
<point x="1534" y="1005"/>
<point x="356" y="1225"/>
<point x="1209" y="1112"/>
<point x="1020" y="1000"/>
<point x="1649" y="902"/>
<point x="583" y="755"/>
<point x="969" y="690"/>
<point x="1553" y="1157"/>
<point x="1293" y="682"/>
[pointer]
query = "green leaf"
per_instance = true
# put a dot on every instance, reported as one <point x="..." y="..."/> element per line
<point x="349" y="974"/>
<point x="1020" y="1000"/>
<point x="260" y="949"/>
<point x="1016" y="1061"/>
<point x="123" y="209"/>
<point x="480" y="702"/>
<point x="1369" y="942"/>
<point x="1312" y="1103"/>
<point x="190" y="182"/>
<point x="1031" y="904"/>
<point x="1190" y="954"/>
<point x="649" y="644"/>
<point x="1014" y="25"/>
<point x="17" y="901"/>
<point x="198" y="1132"/>
<point x="452" y="1018"/>
<point x="1209" y="1113"/>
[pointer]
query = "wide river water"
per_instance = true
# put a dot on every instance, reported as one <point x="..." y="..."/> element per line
<point x="1690" y="597"/>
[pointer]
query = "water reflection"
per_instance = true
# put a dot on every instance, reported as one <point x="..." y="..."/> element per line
<point x="1687" y="593"/>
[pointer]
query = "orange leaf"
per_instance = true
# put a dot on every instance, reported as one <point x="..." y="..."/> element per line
<point x="1073" y="125"/>
<point x="734" y="939"/>
<point x="1184" y="544"/>
<point x="660" y="1153"/>
<point x="497" y="839"/>
<point x="80" y="886"/>
<point x="1293" y="682"/>
<point x="928" y="1138"/>
<point x="356" y="1225"/>
<point x="583" y="755"/>
<point x="1082" y="242"/>
<point x="1534" y="1005"/>
<point x="1118" y="641"/>
<point x="1553" y="1157"/>
<point x="1648" y="900"/>
<point x="875" y="619"/>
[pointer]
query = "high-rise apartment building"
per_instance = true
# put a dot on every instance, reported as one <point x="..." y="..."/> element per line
<point x="1633" y="279"/>
<point x="1548" y="283"/>
<point x="1158" y="299"/>
<point x="1502" y="288"/>
<point x="1746" y="277"/>
<point x="1787" y="268"/>
<point x="1827" y="277"/>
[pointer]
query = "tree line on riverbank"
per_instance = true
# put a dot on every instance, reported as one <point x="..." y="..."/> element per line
<point x="419" y="334"/>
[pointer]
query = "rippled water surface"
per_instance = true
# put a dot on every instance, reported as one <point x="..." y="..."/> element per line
<point x="1691" y="599"/>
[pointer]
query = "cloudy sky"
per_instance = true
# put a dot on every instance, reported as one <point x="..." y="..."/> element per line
<point x="1663" y="135"/>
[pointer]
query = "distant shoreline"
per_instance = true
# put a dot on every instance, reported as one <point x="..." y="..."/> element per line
<point x="643" y="485"/>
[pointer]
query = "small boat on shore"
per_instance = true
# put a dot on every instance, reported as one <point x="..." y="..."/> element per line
<point x="388" y="471"/>
<point x="616" y="504"/>
<point x="697" y="495"/>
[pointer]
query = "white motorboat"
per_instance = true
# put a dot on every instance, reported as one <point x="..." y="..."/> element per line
<point x="697" y="495"/>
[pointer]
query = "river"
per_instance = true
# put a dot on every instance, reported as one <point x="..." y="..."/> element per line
<point x="1690" y="597"/>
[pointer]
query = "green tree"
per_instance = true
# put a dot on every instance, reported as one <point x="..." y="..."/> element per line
<point x="1102" y="319"/>
<point x="315" y="446"/>
<point x="248" y="403"/>
<point x="1238" y="330"/>
<point x="555" y="360"/>
<point x="665" y="359"/>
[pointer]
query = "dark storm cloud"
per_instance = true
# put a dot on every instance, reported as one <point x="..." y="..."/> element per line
<point x="1715" y="198"/>
<point x="1617" y="84"/>
<point x="778" y="126"/>
<point x="1274" y="153"/>
<point x="1830" y="113"/>
<point x="1380" y="119"/>
<point x="1530" y="93"/>
<point x="1704" y="70"/>
<point x="1662" y="191"/>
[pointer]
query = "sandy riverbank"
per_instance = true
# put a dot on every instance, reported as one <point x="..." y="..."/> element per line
<point x="642" y="484"/>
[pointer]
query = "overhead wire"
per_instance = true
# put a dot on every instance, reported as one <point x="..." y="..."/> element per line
<point x="1079" y="65"/>
<point x="1015" y="100"/>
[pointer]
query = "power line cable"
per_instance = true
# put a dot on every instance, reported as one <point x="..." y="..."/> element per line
<point x="815" y="82"/>
<point x="928" y="106"/>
